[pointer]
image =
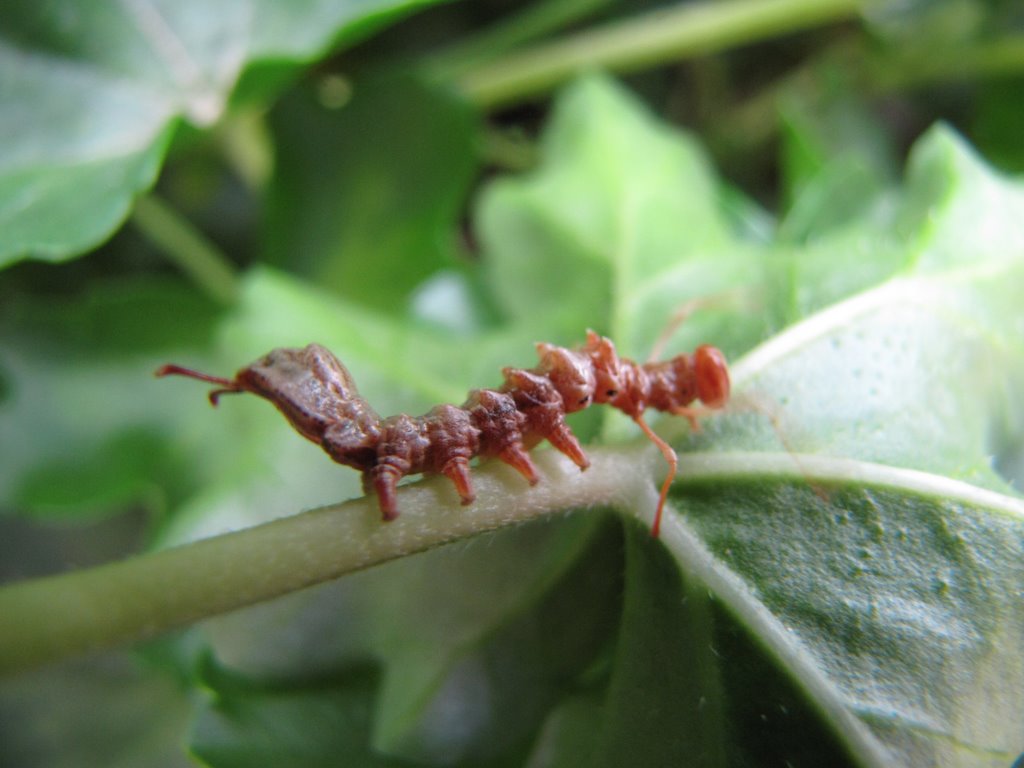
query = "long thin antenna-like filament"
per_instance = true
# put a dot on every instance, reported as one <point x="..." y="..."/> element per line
<point x="673" y="464"/>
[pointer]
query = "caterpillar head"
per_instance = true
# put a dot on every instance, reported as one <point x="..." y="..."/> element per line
<point x="712" y="376"/>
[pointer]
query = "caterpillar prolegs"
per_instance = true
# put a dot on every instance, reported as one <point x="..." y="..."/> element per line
<point x="317" y="395"/>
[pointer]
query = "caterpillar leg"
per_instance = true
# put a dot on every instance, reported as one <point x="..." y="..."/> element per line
<point x="384" y="481"/>
<point x="457" y="470"/>
<point x="673" y="465"/>
<point x="564" y="440"/>
<point x="516" y="456"/>
<point x="691" y="414"/>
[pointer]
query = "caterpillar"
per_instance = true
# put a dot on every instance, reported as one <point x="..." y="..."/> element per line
<point x="318" y="396"/>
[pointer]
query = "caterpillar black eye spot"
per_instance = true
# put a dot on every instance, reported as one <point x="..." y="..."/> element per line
<point x="584" y="400"/>
<point x="611" y="393"/>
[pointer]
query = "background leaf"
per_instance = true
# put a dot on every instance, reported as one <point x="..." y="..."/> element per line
<point x="619" y="205"/>
<point x="361" y="204"/>
<point x="121" y="73"/>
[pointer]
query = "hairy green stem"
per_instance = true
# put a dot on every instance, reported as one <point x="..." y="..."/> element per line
<point x="187" y="247"/>
<point x="687" y="30"/>
<point x="119" y="603"/>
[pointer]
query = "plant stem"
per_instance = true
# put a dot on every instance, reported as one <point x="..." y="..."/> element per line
<point x="990" y="58"/>
<point x="187" y="247"/>
<point x="248" y="147"/>
<point x="119" y="603"/>
<point x="687" y="30"/>
<point x="528" y="24"/>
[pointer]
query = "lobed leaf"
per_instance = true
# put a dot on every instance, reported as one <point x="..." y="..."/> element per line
<point x="622" y="219"/>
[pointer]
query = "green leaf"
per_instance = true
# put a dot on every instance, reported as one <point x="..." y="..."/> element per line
<point x="917" y="372"/>
<point x="683" y="671"/>
<point x="361" y="204"/>
<point x="905" y="573"/>
<point x="121" y="75"/>
<point x="252" y="725"/>
<point x="82" y="426"/>
<point x="620" y="207"/>
<point x="433" y="637"/>
<point x="105" y="710"/>
<point x="895" y="608"/>
<point x="836" y="157"/>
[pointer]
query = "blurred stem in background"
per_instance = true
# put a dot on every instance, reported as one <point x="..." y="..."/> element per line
<point x="642" y="41"/>
<point x="524" y="27"/>
<point x="187" y="247"/>
<point x="904" y="69"/>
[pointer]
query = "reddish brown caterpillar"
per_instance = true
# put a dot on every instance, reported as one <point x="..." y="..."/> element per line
<point x="317" y="395"/>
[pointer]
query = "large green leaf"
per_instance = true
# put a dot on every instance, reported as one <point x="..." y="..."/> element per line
<point x="91" y="92"/>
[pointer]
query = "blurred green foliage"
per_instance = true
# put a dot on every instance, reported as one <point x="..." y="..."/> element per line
<point x="832" y="177"/>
